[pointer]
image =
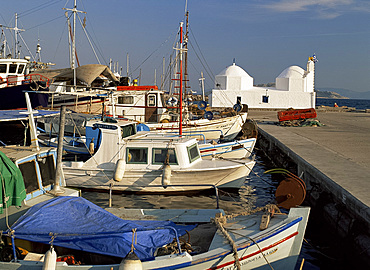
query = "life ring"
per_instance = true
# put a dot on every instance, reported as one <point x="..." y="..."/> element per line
<point x="208" y="115"/>
<point x="202" y="105"/>
<point x="237" y="107"/>
<point x="1" y="80"/>
<point x="172" y="101"/>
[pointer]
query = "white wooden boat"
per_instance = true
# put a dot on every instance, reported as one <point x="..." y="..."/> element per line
<point x="140" y="161"/>
<point x="78" y="145"/>
<point x="88" y="237"/>
<point x="227" y="127"/>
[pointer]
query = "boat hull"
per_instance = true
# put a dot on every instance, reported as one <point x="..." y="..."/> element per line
<point x="15" y="98"/>
<point x="150" y="181"/>
<point x="229" y="127"/>
<point x="277" y="247"/>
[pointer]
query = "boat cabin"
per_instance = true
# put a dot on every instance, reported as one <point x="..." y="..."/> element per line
<point x="38" y="169"/>
<point x="143" y="149"/>
<point x="150" y="149"/>
<point x="12" y="71"/>
<point x="139" y="103"/>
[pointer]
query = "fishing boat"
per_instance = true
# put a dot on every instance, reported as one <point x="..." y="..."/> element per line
<point x="14" y="82"/>
<point x="144" y="161"/>
<point x="15" y="78"/>
<point x="146" y="104"/>
<point x="89" y="237"/>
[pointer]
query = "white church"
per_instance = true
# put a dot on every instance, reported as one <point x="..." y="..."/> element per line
<point x="294" y="88"/>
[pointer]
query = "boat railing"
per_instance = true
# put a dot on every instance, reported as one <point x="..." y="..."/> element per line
<point x="36" y="77"/>
<point x="188" y="135"/>
<point x="15" y="79"/>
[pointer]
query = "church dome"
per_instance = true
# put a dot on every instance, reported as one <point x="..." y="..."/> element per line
<point x="292" y="72"/>
<point x="234" y="71"/>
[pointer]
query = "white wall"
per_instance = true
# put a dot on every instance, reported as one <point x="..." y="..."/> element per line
<point x="277" y="99"/>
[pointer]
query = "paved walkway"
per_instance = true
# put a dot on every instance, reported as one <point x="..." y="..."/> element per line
<point x="340" y="149"/>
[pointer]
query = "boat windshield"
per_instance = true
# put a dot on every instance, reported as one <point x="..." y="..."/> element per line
<point x="137" y="155"/>
<point x="47" y="169"/>
<point x="29" y="174"/>
<point x="3" y="68"/>
<point x="127" y="130"/>
<point x="160" y="155"/>
<point x="193" y="152"/>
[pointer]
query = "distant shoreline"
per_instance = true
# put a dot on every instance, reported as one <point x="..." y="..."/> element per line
<point x="334" y="97"/>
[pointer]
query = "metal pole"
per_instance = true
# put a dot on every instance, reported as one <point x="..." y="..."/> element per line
<point x="202" y="85"/>
<point x="180" y="96"/>
<point x="58" y="173"/>
<point x="74" y="46"/>
<point x="110" y="195"/>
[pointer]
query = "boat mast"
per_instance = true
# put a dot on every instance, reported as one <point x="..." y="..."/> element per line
<point x="74" y="11"/>
<point x="186" y="37"/>
<point x="16" y="32"/>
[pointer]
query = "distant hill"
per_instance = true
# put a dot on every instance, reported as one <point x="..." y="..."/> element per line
<point x="328" y="94"/>
<point x="346" y="92"/>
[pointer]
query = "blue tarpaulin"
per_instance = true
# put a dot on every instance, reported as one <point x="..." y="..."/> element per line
<point x="79" y="224"/>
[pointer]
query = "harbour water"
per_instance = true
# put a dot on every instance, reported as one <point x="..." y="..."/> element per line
<point x="359" y="104"/>
<point x="320" y="249"/>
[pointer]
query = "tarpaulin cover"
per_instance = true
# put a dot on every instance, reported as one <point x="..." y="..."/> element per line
<point x="12" y="185"/>
<point x="79" y="224"/>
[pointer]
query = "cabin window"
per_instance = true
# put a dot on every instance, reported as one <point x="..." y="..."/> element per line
<point x="47" y="169"/>
<point x="126" y="100"/>
<point x="29" y="174"/>
<point x="128" y="130"/>
<point x="193" y="152"/>
<point x="137" y="156"/>
<point x="152" y="101"/>
<point x="20" y="69"/>
<point x="13" y="68"/>
<point x="3" y="68"/>
<point x="160" y="155"/>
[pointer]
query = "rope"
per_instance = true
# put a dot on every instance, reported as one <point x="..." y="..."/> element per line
<point x="53" y="236"/>
<point x="258" y="248"/>
<point x="134" y="240"/>
<point x="220" y="221"/>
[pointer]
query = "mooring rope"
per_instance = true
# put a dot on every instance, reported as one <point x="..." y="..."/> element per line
<point x="220" y="221"/>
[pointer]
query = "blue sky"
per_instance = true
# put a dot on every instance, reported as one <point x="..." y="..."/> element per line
<point x="264" y="36"/>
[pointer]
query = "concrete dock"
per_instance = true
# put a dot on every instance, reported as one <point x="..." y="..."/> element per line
<point x="334" y="162"/>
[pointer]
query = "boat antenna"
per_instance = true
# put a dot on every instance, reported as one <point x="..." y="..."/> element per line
<point x="186" y="6"/>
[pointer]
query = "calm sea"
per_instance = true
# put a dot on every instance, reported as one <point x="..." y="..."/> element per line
<point x="320" y="250"/>
<point x="359" y="104"/>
